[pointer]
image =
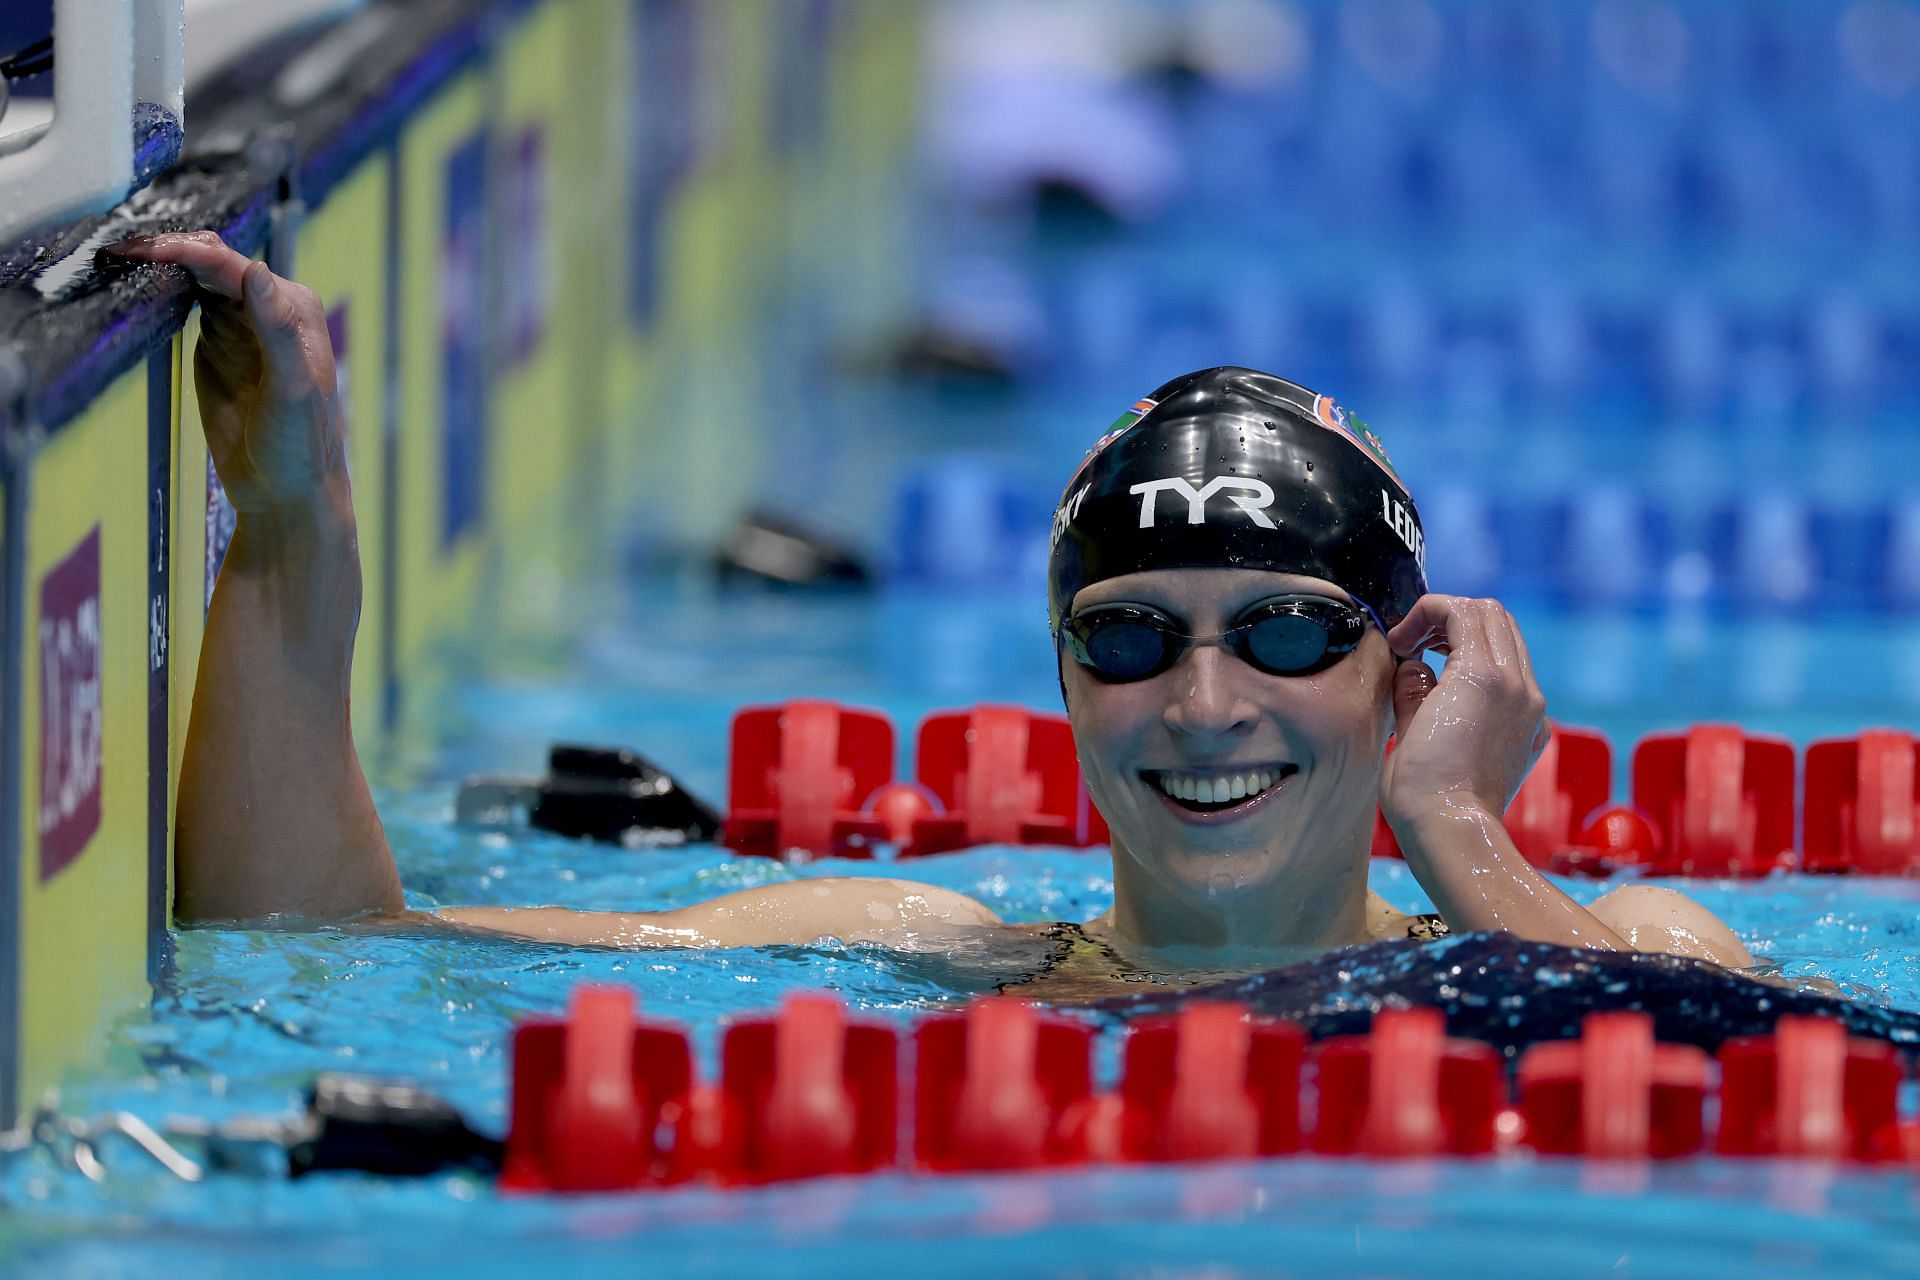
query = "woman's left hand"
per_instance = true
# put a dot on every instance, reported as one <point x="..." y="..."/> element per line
<point x="1468" y="736"/>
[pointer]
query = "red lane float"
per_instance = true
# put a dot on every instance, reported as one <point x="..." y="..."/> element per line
<point x="1722" y="800"/>
<point x="1571" y="779"/>
<point x="1407" y="1089"/>
<point x="588" y="1095"/>
<point x="816" y="779"/>
<point x="1809" y="1091"/>
<point x="993" y="1087"/>
<point x="1005" y="775"/>
<point x="797" y="777"/>
<point x="1211" y="1083"/>
<point x="1617" y="836"/>
<point x="815" y="1093"/>
<point x="1615" y="1093"/>
<point x="1861" y="798"/>
<point x="604" y="1102"/>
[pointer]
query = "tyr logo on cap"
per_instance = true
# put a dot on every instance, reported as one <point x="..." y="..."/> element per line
<point x="1260" y="496"/>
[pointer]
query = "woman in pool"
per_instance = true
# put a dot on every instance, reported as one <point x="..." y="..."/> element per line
<point x="1238" y="592"/>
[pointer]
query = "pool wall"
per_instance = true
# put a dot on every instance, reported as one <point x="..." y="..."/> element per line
<point x="537" y="228"/>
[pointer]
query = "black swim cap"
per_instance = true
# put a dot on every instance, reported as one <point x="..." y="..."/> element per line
<point x="1231" y="468"/>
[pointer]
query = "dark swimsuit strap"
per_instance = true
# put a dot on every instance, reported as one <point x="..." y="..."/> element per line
<point x="1069" y="938"/>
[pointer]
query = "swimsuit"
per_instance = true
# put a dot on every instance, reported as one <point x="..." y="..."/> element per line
<point x="1078" y="959"/>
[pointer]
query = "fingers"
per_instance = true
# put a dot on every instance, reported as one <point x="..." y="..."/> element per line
<point x="1516" y="678"/>
<point x="227" y="341"/>
<point x="214" y="376"/>
<point x="1432" y="623"/>
<point x="216" y="266"/>
<point x="1520" y="644"/>
<point x="1412" y="682"/>
<point x="1510" y="650"/>
<point x="283" y="314"/>
<point x="1500" y="632"/>
<point x="1480" y="638"/>
<point x="278" y="311"/>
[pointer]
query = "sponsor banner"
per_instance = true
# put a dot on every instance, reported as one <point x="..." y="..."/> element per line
<point x="463" y="340"/>
<point x="70" y="716"/>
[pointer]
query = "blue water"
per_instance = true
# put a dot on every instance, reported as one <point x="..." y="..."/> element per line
<point x="249" y="1017"/>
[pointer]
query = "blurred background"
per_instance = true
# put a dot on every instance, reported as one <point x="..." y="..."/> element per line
<point x="1631" y="289"/>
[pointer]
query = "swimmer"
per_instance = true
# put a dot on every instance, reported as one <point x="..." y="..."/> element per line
<point x="1238" y="597"/>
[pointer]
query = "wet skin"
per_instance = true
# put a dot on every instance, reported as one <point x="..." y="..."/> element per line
<point x="1283" y="867"/>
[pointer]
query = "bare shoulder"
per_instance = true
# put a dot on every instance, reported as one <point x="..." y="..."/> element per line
<point x="852" y="901"/>
<point x="1653" y="918"/>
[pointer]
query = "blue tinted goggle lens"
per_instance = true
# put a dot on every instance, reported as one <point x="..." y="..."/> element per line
<point x="1293" y="637"/>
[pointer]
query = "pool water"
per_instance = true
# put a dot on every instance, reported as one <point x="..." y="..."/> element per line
<point x="247" y="1018"/>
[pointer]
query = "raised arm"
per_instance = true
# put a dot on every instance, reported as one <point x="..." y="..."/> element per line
<point x="273" y="815"/>
<point x="895" y="913"/>
<point x="1465" y="743"/>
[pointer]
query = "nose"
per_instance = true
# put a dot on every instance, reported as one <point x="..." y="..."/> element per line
<point x="1209" y="696"/>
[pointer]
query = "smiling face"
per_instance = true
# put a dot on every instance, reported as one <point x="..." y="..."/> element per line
<point x="1303" y="754"/>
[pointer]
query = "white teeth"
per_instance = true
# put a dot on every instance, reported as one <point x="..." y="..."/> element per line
<point x="1218" y="789"/>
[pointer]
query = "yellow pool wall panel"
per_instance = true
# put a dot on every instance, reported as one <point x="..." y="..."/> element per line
<point x="338" y="253"/>
<point x="188" y="580"/>
<point x="83" y="923"/>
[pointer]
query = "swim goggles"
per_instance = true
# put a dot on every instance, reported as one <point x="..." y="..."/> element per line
<point x="1291" y="636"/>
